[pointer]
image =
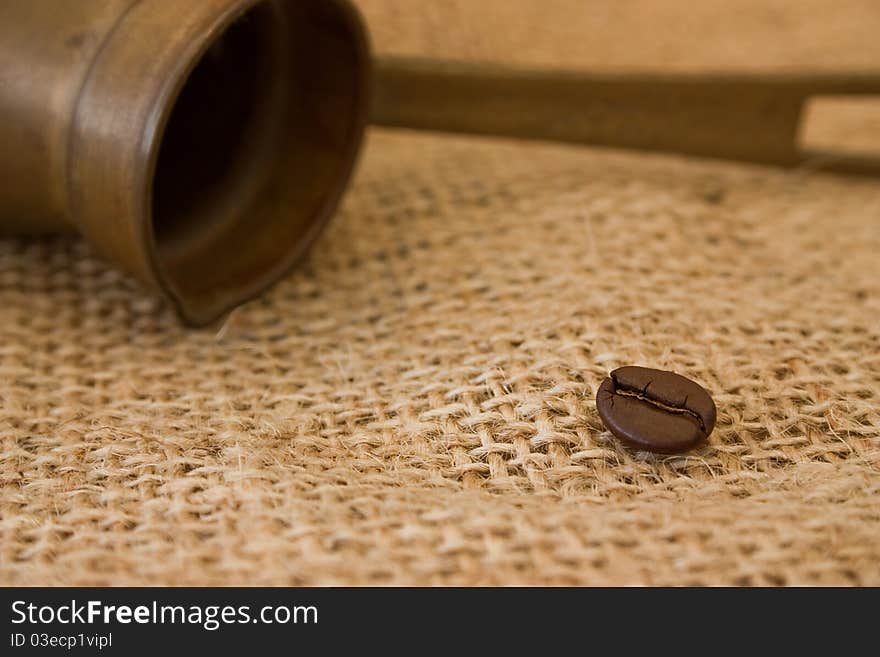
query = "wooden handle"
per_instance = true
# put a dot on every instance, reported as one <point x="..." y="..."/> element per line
<point x="748" y="117"/>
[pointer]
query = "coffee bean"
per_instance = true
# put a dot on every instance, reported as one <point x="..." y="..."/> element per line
<point x="655" y="410"/>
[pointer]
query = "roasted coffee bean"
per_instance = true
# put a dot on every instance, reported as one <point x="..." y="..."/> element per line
<point x="655" y="410"/>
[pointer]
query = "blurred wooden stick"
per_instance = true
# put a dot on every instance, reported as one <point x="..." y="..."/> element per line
<point x="750" y="117"/>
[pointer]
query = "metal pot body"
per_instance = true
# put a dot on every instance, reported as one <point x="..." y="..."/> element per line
<point x="198" y="145"/>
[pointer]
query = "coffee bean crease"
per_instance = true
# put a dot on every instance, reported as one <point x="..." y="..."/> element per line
<point x="643" y="396"/>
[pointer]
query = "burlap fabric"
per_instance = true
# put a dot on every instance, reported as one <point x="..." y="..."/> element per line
<point x="415" y="405"/>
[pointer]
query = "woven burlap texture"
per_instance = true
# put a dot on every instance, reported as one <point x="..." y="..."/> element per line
<point x="415" y="405"/>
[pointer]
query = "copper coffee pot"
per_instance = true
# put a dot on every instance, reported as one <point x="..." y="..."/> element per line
<point x="202" y="145"/>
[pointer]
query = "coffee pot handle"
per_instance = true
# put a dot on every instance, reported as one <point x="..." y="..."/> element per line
<point x="752" y="117"/>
